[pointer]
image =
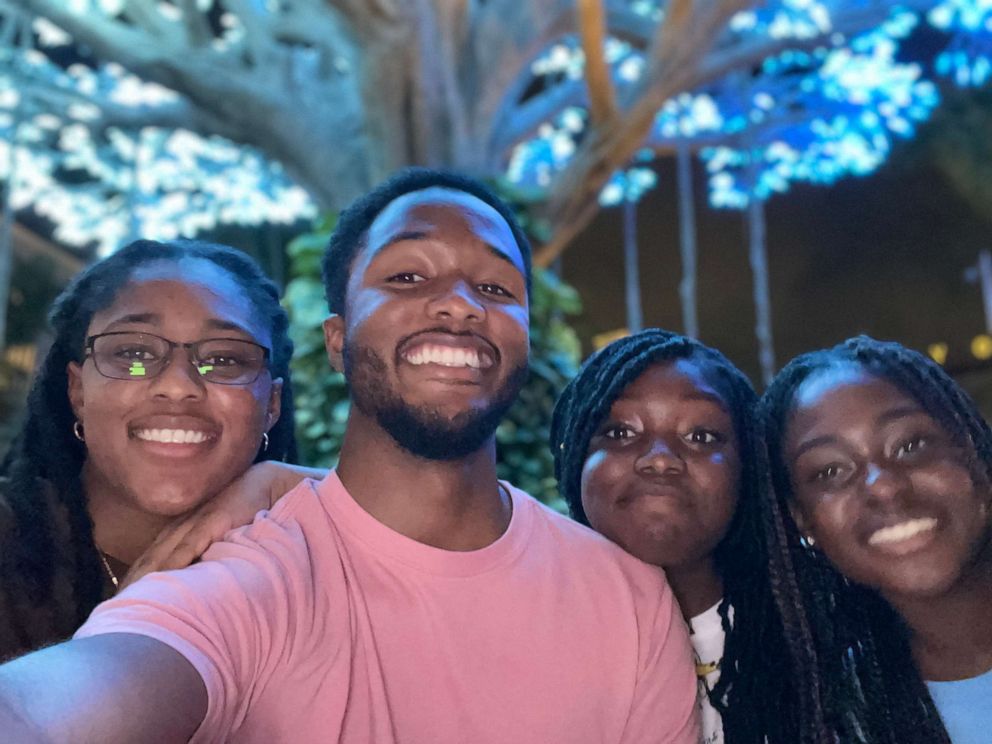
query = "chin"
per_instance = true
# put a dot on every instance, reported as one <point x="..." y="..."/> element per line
<point x="171" y="504"/>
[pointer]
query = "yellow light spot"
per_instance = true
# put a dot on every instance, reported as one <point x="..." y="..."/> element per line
<point x="204" y="368"/>
<point x="137" y="369"/>
<point x="938" y="352"/>
<point x="602" y="339"/>
<point x="981" y="347"/>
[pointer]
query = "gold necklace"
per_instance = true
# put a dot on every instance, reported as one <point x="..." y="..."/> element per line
<point x="110" y="571"/>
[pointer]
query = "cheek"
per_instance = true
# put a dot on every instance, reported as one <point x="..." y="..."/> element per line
<point x="600" y="475"/>
<point x="243" y="409"/>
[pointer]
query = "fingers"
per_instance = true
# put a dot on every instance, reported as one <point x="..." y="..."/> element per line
<point x="180" y="544"/>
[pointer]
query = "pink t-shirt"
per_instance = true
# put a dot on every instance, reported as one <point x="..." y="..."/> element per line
<point x="317" y="623"/>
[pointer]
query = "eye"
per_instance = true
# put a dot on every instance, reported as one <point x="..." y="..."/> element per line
<point x="828" y="473"/>
<point x="912" y="446"/>
<point x="223" y="360"/>
<point x="618" y="432"/>
<point x="135" y="353"/>
<point x="405" y="277"/>
<point x="495" y="289"/>
<point x="704" y="436"/>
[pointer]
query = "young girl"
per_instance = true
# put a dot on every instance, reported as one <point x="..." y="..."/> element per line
<point x="655" y="447"/>
<point x="881" y="465"/>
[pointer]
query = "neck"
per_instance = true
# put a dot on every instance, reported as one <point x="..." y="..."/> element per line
<point x="951" y="634"/>
<point x="696" y="586"/>
<point x="120" y="529"/>
<point x="453" y="505"/>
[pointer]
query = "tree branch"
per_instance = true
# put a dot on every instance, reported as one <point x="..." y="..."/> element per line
<point x="592" y="31"/>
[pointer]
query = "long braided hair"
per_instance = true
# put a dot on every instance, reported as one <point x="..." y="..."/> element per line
<point x="872" y="691"/>
<point x="45" y="457"/>
<point x="756" y="692"/>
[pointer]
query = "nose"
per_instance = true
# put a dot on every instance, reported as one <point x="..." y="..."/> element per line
<point x="180" y="379"/>
<point x="884" y="486"/>
<point x="659" y="458"/>
<point x="457" y="301"/>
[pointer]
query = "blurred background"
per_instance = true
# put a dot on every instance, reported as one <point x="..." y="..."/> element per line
<point x="769" y="177"/>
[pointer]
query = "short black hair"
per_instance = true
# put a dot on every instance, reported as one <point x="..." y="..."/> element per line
<point x="354" y="222"/>
<point x="756" y="693"/>
<point x="46" y="455"/>
<point x="859" y="646"/>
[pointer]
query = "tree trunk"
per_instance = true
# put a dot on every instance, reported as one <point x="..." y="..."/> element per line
<point x="687" y="234"/>
<point x="632" y="278"/>
<point x="758" y="254"/>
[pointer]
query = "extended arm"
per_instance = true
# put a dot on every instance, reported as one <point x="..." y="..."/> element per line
<point x="108" y="689"/>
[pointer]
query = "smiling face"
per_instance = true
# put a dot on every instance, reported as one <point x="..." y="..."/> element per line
<point x="434" y="340"/>
<point x="881" y="486"/>
<point x="164" y="445"/>
<point x="662" y="475"/>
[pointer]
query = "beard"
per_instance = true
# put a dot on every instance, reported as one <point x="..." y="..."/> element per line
<point x="424" y="431"/>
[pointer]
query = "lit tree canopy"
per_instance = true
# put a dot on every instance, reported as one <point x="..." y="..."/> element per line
<point x="188" y="111"/>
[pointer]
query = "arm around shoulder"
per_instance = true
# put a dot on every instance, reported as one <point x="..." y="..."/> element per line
<point x="118" y="687"/>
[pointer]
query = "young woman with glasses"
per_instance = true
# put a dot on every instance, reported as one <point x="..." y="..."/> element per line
<point x="167" y="378"/>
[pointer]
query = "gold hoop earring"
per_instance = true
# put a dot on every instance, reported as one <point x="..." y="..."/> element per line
<point x="77" y="431"/>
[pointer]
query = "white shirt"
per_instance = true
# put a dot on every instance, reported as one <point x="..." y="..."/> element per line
<point x="707" y="641"/>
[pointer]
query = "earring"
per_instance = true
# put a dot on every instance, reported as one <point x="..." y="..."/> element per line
<point x="808" y="541"/>
<point x="265" y="441"/>
<point x="77" y="430"/>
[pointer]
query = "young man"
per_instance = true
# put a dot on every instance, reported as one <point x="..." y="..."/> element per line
<point x="410" y="596"/>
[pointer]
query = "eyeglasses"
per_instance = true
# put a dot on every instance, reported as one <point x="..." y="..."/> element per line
<point x="126" y="355"/>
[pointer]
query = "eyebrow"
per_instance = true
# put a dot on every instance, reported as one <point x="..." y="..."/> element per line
<point x="886" y="417"/>
<point x="708" y="398"/>
<point x="214" y="324"/>
<point x="424" y="235"/>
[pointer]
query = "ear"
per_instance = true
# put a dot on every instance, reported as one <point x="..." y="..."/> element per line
<point x="74" y="375"/>
<point x="334" y="341"/>
<point x="275" y="404"/>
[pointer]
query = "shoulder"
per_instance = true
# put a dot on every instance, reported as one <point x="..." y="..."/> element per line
<point x="585" y="551"/>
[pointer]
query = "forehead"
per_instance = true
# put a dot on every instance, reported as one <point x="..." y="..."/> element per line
<point x="445" y="215"/>
<point x="674" y="381"/>
<point x="845" y="395"/>
<point x="846" y="381"/>
<point x="183" y="297"/>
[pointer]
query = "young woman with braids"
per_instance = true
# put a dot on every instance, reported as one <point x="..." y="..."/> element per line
<point x="168" y="376"/>
<point x="656" y="448"/>
<point x="881" y="465"/>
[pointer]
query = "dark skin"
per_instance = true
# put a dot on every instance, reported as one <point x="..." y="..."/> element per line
<point x="440" y="269"/>
<point x="662" y="477"/>
<point x="435" y="260"/>
<point x="889" y="498"/>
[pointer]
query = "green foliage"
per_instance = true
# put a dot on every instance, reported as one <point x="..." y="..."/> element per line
<point x="322" y="396"/>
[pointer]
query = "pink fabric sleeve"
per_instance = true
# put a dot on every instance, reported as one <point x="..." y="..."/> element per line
<point x="204" y="612"/>
<point x="664" y="709"/>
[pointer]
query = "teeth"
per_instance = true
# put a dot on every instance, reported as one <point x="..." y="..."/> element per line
<point x="903" y="531"/>
<point x="446" y="356"/>
<point x="171" y="436"/>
